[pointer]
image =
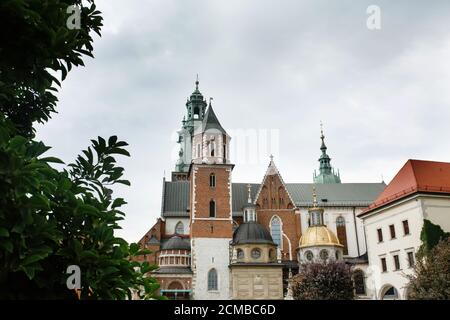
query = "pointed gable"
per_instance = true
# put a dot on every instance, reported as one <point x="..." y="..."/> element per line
<point x="415" y="176"/>
<point x="211" y="122"/>
<point x="272" y="193"/>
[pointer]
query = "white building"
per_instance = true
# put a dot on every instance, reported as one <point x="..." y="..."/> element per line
<point x="393" y="223"/>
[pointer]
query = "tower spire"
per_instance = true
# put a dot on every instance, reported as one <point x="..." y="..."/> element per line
<point x="326" y="172"/>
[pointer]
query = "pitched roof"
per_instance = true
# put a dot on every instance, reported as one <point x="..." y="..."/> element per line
<point x="337" y="194"/>
<point x="176" y="195"/>
<point x="415" y="176"/>
<point x="175" y="200"/>
<point x="210" y="121"/>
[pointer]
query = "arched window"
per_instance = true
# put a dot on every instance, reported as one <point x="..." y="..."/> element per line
<point x="276" y="231"/>
<point x="179" y="228"/>
<point x="196" y="113"/>
<point x="358" y="279"/>
<point x="342" y="232"/>
<point x="212" y="145"/>
<point x="212" y="280"/>
<point x="175" y="285"/>
<point x="212" y="180"/>
<point x="212" y="209"/>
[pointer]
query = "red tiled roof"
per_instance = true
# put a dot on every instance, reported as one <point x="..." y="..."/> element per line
<point x="415" y="176"/>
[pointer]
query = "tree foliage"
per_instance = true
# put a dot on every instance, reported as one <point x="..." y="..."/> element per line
<point x="430" y="236"/>
<point x="323" y="281"/>
<point x="431" y="277"/>
<point x="50" y="218"/>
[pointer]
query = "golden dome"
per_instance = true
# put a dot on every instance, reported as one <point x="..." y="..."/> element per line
<point x="318" y="236"/>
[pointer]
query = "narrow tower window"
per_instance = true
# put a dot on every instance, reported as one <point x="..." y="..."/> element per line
<point x="212" y="209"/>
<point x="212" y="180"/>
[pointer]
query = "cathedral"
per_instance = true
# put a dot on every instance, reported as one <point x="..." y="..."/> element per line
<point x="220" y="239"/>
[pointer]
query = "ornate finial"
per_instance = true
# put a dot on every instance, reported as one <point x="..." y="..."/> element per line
<point x="321" y="131"/>
<point x="210" y="99"/>
<point x="249" y="191"/>
<point x="196" y="82"/>
<point x="314" y="197"/>
<point x="271" y="157"/>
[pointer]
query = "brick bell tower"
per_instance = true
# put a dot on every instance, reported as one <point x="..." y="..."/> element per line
<point x="210" y="209"/>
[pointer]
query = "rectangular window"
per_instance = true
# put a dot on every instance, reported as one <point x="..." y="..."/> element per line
<point x="392" y="229"/>
<point x="405" y="227"/>
<point x="380" y="235"/>
<point x="411" y="259"/>
<point x="198" y="151"/>
<point x="396" y="262"/>
<point x="383" y="264"/>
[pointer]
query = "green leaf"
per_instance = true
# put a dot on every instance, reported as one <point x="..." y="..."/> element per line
<point x="4" y="232"/>
<point x="52" y="159"/>
<point x="39" y="201"/>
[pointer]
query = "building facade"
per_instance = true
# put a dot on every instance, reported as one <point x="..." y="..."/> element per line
<point x="393" y="224"/>
<point x="203" y="206"/>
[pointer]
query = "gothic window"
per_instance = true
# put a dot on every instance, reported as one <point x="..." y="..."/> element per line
<point x="212" y="280"/>
<point x="179" y="228"/>
<point x="276" y="231"/>
<point x="212" y="209"/>
<point x="212" y="180"/>
<point x="358" y="279"/>
<point x="196" y="113"/>
<point x="342" y="232"/>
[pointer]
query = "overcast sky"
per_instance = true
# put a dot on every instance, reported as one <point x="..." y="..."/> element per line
<point x="272" y="66"/>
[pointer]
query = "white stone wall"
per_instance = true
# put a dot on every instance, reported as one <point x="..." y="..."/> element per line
<point x="434" y="208"/>
<point x="355" y="239"/>
<point x="379" y="281"/>
<point x="211" y="137"/>
<point x="172" y="222"/>
<point x="208" y="253"/>
<point x="437" y="210"/>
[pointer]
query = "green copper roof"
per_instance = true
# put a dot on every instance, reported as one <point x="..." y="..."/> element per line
<point x="326" y="171"/>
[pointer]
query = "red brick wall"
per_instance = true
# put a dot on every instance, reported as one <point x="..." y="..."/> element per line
<point x="203" y="194"/>
<point x="274" y="200"/>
